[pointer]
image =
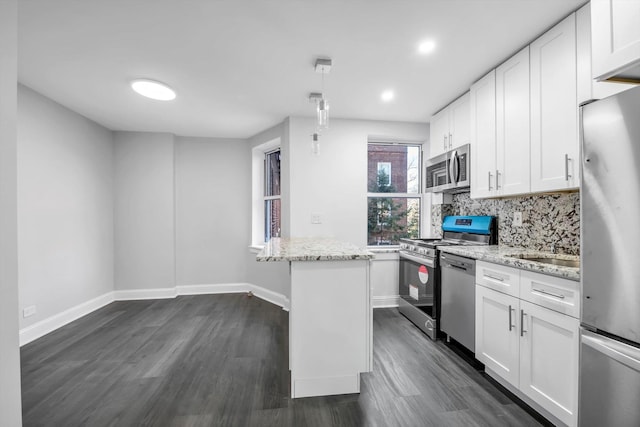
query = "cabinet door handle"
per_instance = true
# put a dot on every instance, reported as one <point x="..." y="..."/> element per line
<point x="501" y="279"/>
<point x="510" y="322"/>
<point x="566" y="167"/>
<point x="489" y="180"/>
<point x="444" y="142"/>
<point x="497" y="181"/>
<point x="450" y="141"/>
<point x="522" y="314"/>
<point x="542" y="291"/>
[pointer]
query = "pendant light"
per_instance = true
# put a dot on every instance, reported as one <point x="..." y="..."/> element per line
<point x="323" y="65"/>
<point x="315" y="144"/>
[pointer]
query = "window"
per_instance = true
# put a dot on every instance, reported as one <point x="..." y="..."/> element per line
<point x="384" y="173"/>
<point x="393" y="208"/>
<point x="272" y="207"/>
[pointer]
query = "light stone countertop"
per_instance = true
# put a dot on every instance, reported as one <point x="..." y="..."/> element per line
<point x="504" y="255"/>
<point x="311" y="249"/>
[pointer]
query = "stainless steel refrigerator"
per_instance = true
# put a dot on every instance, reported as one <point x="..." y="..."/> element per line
<point x="610" y="264"/>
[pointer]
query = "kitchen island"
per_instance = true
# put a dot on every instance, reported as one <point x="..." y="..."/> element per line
<point x="331" y="316"/>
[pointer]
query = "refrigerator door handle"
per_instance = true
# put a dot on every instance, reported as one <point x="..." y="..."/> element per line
<point x="618" y="351"/>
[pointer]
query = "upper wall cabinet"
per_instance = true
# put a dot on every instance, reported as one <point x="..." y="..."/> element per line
<point x="483" y="136"/>
<point x="554" y="112"/>
<point x="588" y="88"/>
<point x="512" y="125"/>
<point x="615" y="28"/>
<point x="500" y="129"/>
<point x="450" y="126"/>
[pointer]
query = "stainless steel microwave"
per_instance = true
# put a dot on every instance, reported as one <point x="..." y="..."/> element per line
<point x="449" y="172"/>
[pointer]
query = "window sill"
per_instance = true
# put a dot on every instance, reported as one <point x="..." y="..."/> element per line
<point x="255" y="248"/>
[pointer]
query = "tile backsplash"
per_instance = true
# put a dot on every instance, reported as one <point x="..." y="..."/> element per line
<point x="548" y="219"/>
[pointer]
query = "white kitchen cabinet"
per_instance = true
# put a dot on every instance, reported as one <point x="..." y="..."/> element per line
<point x="615" y="28"/>
<point x="512" y="125"/>
<point x="526" y="337"/>
<point x="483" y="136"/>
<point x="588" y="87"/>
<point x="554" y="112"/>
<point x="497" y="339"/>
<point x="555" y="293"/>
<point x="500" y="130"/>
<point x="498" y="277"/>
<point x="459" y="125"/>
<point x="450" y="127"/>
<point x="549" y="360"/>
<point x="439" y="133"/>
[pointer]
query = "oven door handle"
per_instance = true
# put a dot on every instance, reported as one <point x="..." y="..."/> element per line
<point x="420" y="260"/>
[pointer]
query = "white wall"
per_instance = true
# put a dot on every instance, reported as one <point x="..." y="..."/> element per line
<point x="144" y="211"/>
<point x="65" y="207"/>
<point x="213" y="210"/>
<point x="273" y="276"/>
<point x="334" y="184"/>
<point x="10" y="398"/>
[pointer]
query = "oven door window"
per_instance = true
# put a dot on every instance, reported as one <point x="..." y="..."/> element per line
<point x="417" y="284"/>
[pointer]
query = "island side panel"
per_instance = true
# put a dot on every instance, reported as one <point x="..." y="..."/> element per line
<point x="330" y="327"/>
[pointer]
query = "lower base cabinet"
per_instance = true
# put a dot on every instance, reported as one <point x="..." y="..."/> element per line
<point x="549" y="360"/>
<point x="533" y="348"/>
<point x="497" y="335"/>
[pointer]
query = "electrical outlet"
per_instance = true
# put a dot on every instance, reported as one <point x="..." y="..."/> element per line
<point x="316" y="218"/>
<point x="517" y="219"/>
<point x="29" y="311"/>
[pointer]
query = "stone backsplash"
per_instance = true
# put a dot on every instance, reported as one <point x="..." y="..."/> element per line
<point x="548" y="219"/>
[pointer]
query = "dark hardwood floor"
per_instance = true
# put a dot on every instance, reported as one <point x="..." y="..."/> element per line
<point x="222" y="360"/>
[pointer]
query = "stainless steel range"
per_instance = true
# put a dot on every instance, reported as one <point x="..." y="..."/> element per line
<point x="419" y="272"/>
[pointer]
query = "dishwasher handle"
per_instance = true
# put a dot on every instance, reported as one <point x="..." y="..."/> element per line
<point x="459" y="267"/>
<point x="466" y="265"/>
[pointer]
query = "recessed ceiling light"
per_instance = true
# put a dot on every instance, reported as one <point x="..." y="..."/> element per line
<point x="427" y="46"/>
<point x="387" y="95"/>
<point x="153" y="89"/>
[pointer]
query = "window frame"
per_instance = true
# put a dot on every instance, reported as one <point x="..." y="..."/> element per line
<point x="267" y="230"/>
<point x="400" y="195"/>
<point x="258" y="182"/>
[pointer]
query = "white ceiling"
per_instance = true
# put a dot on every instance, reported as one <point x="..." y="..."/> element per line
<point x="242" y="66"/>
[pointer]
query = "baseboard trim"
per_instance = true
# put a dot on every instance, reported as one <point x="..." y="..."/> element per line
<point x="50" y="324"/>
<point x="139" y="294"/>
<point x="221" y="288"/>
<point x="272" y="297"/>
<point x="229" y="288"/>
<point x="385" y="301"/>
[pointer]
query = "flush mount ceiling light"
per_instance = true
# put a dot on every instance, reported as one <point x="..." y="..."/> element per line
<point x="426" y="47"/>
<point x="153" y="89"/>
<point x="387" y="95"/>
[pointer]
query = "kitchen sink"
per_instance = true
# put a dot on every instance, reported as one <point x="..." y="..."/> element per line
<point x="575" y="263"/>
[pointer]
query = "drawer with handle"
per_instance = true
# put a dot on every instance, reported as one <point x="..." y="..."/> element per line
<point x="498" y="277"/>
<point x="555" y="293"/>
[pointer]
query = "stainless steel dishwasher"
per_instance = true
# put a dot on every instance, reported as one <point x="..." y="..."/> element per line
<point x="458" y="299"/>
